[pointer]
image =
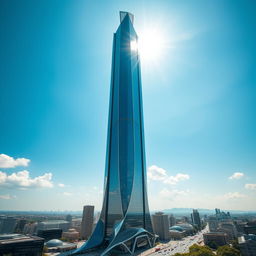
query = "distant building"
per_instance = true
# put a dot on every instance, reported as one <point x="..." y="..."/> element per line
<point x="48" y="234"/>
<point x="196" y="220"/>
<point x="30" y="228"/>
<point x="172" y="220"/>
<point x="216" y="238"/>
<point x="56" y="245"/>
<point x="213" y="224"/>
<point x="161" y="225"/>
<point x="76" y="224"/>
<point x="87" y="221"/>
<point x="247" y="245"/>
<point x="21" y="245"/>
<point x="69" y="218"/>
<point x="7" y="224"/>
<point x="229" y="229"/>
<point x="20" y="225"/>
<point x="50" y="224"/>
<point x="71" y="235"/>
<point x="250" y="228"/>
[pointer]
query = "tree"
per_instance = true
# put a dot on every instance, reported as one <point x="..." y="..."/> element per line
<point x="212" y="245"/>
<point x="196" y="250"/>
<point x="226" y="250"/>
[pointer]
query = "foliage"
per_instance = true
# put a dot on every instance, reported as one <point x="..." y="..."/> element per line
<point x="226" y="250"/>
<point x="212" y="245"/>
<point x="196" y="250"/>
<point x="235" y="244"/>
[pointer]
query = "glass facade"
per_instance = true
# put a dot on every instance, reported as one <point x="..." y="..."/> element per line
<point x="125" y="212"/>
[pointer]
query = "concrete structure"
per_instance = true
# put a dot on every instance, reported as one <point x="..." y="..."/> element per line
<point x="161" y="225"/>
<point x="71" y="235"/>
<point x="218" y="238"/>
<point x="87" y="221"/>
<point x="125" y="222"/>
<point x="247" y="245"/>
<point x="7" y="224"/>
<point x="21" y="245"/>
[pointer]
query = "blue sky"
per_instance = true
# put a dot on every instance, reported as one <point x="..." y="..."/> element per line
<point x="199" y="102"/>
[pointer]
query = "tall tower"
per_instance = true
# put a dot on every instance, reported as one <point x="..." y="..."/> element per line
<point x="124" y="222"/>
<point x="87" y="221"/>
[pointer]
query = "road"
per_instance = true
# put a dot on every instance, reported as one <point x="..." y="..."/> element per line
<point x="180" y="246"/>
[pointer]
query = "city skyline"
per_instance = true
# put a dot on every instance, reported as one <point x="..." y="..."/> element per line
<point x="199" y="104"/>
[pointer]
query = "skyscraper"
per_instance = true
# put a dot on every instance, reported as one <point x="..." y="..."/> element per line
<point x="195" y="217"/>
<point x="87" y="221"/>
<point x="124" y="223"/>
<point x="161" y="225"/>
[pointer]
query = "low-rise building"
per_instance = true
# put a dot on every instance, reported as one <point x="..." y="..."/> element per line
<point x="71" y="235"/>
<point x="56" y="245"/>
<point x="50" y="224"/>
<point x="216" y="238"/>
<point x="49" y="234"/>
<point x="17" y="244"/>
<point x="247" y="245"/>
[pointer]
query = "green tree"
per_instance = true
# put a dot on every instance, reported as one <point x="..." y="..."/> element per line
<point x="226" y="250"/>
<point x="197" y="250"/>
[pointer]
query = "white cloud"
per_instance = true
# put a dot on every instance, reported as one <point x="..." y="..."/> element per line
<point x="10" y="162"/>
<point x="172" y="180"/>
<point x="250" y="186"/>
<point x="61" y="185"/>
<point x="23" y="180"/>
<point x="234" y="195"/>
<point x="159" y="174"/>
<point x="236" y="176"/>
<point x="171" y="194"/>
<point x="67" y="194"/>
<point x="7" y="197"/>
<point x="156" y="173"/>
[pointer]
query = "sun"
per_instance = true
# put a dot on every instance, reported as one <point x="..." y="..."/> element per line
<point x="151" y="44"/>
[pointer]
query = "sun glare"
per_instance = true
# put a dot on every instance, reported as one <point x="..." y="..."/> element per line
<point x="151" y="45"/>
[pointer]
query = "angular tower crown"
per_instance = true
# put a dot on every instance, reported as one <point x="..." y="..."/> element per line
<point x="123" y="15"/>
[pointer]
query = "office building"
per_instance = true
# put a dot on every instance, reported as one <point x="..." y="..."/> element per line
<point x="250" y="228"/>
<point x="21" y="245"/>
<point x="20" y="225"/>
<point x="247" y="245"/>
<point x="30" y="228"/>
<point x="161" y="225"/>
<point x="87" y="221"/>
<point x="51" y="224"/>
<point x="229" y="229"/>
<point x="213" y="224"/>
<point x="215" y="238"/>
<point x="48" y="234"/>
<point x="125" y="222"/>
<point x="196" y="220"/>
<point x="7" y="224"/>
